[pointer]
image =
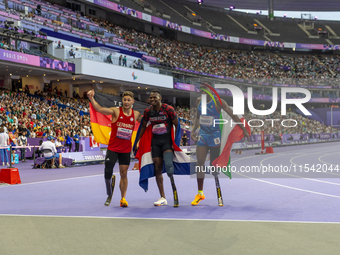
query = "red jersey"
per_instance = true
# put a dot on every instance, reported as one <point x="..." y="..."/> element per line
<point x="121" y="133"/>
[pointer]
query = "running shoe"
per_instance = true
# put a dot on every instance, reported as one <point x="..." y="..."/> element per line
<point x="161" y="201"/>
<point x="61" y="166"/>
<point x="198" y="198"/>
<point x="123" y="203"/>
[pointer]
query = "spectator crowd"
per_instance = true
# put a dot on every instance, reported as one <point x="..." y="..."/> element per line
<point x="44" y="116"/>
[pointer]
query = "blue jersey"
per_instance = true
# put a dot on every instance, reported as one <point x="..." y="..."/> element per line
<point x="207" y="121"/>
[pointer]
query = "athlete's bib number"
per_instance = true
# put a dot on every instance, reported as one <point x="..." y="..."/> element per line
<point x="159" y="129"/>
<point x="206" y="121"/>
<point x="124" y="133"/>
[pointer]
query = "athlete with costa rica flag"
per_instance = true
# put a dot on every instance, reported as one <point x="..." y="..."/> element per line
<point x="122" y="124"/>
<point x="211" y="139"/>
<point x="159" y="144"/>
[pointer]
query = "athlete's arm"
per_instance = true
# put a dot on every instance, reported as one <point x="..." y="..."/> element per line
<point x="235" y="118"/>
<point x="142" y="130"/>
<point x="175" y="123"/>
<point x="97" y="107"/>
<point x="196" y="122"/>
<point x="138" y="116"/>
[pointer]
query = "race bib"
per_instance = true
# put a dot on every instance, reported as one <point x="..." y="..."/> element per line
<point x="159" y="129"/>
<point x="217" y="141"/>
<point x="124" y="133"/>
<point x="206" y="121"/>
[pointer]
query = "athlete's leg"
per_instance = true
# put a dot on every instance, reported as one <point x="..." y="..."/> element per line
<point x="110" y="161"/>
<point x="123" y="183"/>
<point x="168" y="157"/>
<point x="214" y="153"/>
<point x="201" y="154"/>
<point x="158" y="163"/>
<point x="124" y="163"/>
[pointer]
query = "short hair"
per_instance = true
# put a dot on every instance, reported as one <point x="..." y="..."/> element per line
<point x="156" y="91"/>
<point x="128" y="93"/>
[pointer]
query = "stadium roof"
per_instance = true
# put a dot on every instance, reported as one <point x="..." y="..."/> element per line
<point x="279" y="5"/>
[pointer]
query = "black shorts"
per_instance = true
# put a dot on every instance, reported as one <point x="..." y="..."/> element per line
<point x="159" y="145"/>
<point x="123" y="158"/>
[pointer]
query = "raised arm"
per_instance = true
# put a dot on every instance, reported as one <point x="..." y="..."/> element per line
<point x="235" y="118"/>
<point x="196" y="122"/>
<point x="97" y="107"/>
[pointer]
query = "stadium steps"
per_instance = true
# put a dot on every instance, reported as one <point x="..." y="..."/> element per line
<point x="267" y="38"/>
<point x="267" y="29"/>
<point x="329" y="42"/>
<point x="174" y="10"/>
<point x="304" y="30"/>
<point x="238" y="23"/>
<point x="208" y="24"/>
<point x="331" y="30"/>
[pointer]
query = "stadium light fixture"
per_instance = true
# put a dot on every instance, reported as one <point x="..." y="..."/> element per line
<point x="285" y="15"/>
<point x="316" y="17"/>
<point x="232" y="8"/>
<point x="200" y="2"/>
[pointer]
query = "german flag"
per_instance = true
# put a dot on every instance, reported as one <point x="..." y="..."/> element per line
<point x="101" y="124"/>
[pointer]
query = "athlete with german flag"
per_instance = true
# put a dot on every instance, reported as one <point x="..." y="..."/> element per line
<point x="210" y="139"/>
<point x="119" y="147"/>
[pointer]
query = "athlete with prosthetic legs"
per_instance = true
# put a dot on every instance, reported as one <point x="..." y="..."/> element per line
<point x="122" y="126"/>
<point x="162" y="117"/>
<point x="209" y="138"/>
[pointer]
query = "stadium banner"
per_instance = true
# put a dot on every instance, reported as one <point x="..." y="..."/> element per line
<point x="184" y="86"/>
<point x="107" y="4"/>
<point x="151" y="69"/>
<point x="57" y="64"/>
<point x="234" y="39"/>
<point x="18" y="57"/>
<point x="289" y="45"/>
<point x="130" y="75"/>
<point x="186" y="29"/>
<point x="85" y="156"/>
<point x="157" y="20"/>
<point x="32" y="60"/>
<point x="146" y="17"/>
<point x="149" y="59"/>
<point x="311" y="46"/>
<point x="172" y="25"/>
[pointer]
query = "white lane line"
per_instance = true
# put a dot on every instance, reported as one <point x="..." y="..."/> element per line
<point x="291" y="161"/>
<point x="65" y="179"/>
<point x="309" y="179"/>
<point x="272" y="183"/>
<point x="319" y="159"/>
<point x="166" y="219"/>
<point x="289" y="187"/>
